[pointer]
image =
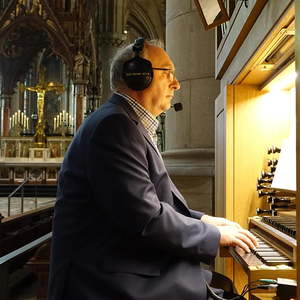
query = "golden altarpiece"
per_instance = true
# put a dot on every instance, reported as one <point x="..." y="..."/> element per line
<point x="47" y="83"/>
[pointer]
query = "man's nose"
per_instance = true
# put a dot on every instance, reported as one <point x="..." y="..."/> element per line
<point x="175" y="84"/>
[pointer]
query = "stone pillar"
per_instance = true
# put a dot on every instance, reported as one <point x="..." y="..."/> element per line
<point x="80" y="89"/>
<point x="6" y="109"/>
<point x="189" y="154"/>
<point x="113" y="14"/>
<point x="110" y="44"/>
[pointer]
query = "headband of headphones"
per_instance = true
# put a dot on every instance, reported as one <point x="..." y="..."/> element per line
<point x="137" y="72"/>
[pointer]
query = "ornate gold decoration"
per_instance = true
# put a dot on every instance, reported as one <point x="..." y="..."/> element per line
<point x="41" y="89"/>
<point x="51" y="24"/>
<point x="24" y="7"/>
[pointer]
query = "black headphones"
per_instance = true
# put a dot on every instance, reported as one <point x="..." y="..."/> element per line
<point x="138" y="72"/>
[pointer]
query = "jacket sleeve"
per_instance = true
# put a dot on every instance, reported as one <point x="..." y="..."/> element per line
<point x="119" y="177"/>
<point x="196" y="214"/>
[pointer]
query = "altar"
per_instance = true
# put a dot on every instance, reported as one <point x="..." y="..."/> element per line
<point x="20" y="159"/>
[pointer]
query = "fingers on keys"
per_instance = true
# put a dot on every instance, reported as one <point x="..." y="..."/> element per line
<point x="246" y="240"/>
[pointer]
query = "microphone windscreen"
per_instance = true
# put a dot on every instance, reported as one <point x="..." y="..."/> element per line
<point x="178" y="106"/>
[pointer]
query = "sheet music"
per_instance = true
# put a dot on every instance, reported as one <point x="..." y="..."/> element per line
<point x="285" y="174"/>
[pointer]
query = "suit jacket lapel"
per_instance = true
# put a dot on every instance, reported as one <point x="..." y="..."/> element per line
<point x="121" y="101"/>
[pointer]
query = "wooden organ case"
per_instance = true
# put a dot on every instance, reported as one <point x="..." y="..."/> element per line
<point x="255" y="111"/>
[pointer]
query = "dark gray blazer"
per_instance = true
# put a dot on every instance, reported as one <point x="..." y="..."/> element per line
<point x="121" y="228"/>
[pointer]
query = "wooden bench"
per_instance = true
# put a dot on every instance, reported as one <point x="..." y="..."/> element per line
<point x="39" y="264"/>
<point x="19" y="230"/>
<point x="16" y="259"/>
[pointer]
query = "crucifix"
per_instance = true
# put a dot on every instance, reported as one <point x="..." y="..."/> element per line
<point x="41" y="89"/>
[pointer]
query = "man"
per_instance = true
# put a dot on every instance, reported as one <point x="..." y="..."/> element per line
<point x="122" y="230"/>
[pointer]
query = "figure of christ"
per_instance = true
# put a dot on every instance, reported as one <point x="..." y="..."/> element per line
<point x="41" y="89"/>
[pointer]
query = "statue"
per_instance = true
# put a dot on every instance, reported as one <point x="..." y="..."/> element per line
<point x="41" y="89"/>
<point x="21" y="8"/>
<point x="81" y="66"/>
<point x="36" y="7"/>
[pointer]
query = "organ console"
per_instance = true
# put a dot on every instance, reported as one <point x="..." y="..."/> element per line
<point x="274" y="229"/>
<point x="256" y="108"/>
<point x="275" y="255"/>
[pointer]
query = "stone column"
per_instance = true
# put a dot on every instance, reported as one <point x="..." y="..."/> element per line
<point x="6" y="109"/>
<point x="80" y="95"/>
<point x="189" y="154"/>
<point x="110" y="43"/>
<point x="113" y="14"/>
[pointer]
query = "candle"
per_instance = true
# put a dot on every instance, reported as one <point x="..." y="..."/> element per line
<point x="54" y="123"/>
<point x="27" y="127"/>
<point x="13" y="120"/>
<point x="10" y="120"/>
<point x="19" y="116"/>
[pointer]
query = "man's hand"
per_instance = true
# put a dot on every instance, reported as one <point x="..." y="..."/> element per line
<point x="232" y="234"/>
<point x="219" y="221"/>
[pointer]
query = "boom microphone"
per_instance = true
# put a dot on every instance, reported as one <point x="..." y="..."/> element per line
<point x="177" y="106"/>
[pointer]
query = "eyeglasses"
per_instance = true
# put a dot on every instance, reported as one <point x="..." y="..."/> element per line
<point x="171" y="73"/>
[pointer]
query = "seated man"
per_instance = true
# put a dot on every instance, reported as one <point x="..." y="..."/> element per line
<point x="122" y="230"/>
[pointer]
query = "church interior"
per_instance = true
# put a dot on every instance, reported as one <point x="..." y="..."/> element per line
<point x="232" y="150"/>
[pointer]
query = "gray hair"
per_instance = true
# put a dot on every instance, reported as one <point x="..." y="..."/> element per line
<point x="124" y="54"/>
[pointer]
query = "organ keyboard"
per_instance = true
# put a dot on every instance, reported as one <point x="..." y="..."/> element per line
<point x="275" y="255"/>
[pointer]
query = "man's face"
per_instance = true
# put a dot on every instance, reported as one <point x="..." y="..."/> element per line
<point x="159" y="94"/>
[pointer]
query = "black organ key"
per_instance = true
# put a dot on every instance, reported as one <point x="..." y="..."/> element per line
<point x="283" y="223"/>
<point x="282" y="205"/>
<point x="275" y="200"/>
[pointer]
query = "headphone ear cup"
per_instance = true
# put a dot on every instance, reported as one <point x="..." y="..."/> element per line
<point x="137" y="73"/>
